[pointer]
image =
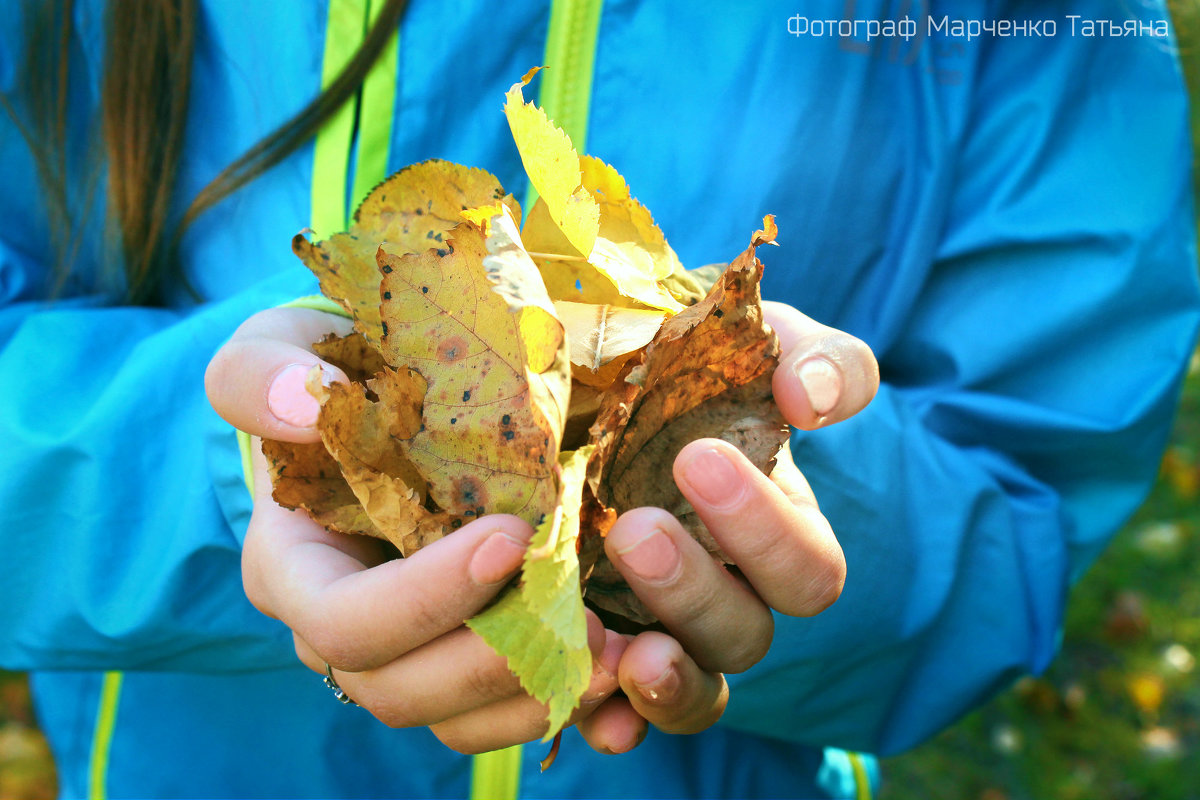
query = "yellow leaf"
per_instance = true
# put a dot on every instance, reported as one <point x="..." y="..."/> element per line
<point x="491" y="425"/>
<point x="482" y="215"/>
<point x="626" y="222"/>
<point x="552" y="165"/>
<point x="629" y="253"/>
<point x="1147" y="691"/>
<point x="412" y="210"/>
<point x="516" y="279"/>
<point x="626" y="266"/>
<point x="567" y="277"/>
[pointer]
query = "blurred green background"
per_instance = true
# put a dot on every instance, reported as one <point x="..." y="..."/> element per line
<point x="1116" y="717"/>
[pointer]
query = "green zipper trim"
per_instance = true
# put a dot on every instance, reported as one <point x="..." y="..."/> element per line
<point x="496" y="775"/>
<point x="570" y="59"/>
<point x="369" y="114"/>
<point x="862" y="781"/>
<point x="377" y="109"/>
<point x="566" y="97"/>
<point x="566" y="92"/>
<point x="102" y="735"/>
<point x="344" y="33"/>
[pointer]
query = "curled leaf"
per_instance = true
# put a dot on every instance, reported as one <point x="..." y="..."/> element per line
<point x="515" y="278"/>
<point x="306" y="476"/>
<point x="707" y="373"/>
<point x="363" y="437"/>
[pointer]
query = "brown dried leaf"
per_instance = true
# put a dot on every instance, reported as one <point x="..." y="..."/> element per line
<point x="706" y="374"/>
<point x="363" y="437"/>
<point x="353" y="354"/>
<point x="306" y="476"/>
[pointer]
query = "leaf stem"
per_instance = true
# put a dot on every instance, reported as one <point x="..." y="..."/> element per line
<point x="553" y="754"/>
<point x="557" y="256"/>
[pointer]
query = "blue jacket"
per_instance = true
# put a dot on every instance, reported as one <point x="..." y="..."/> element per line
<point x="1005" y="219"/>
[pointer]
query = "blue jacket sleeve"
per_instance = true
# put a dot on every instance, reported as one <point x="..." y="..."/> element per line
<point x="1028" y="388"/>
<point x="118" y="554"/>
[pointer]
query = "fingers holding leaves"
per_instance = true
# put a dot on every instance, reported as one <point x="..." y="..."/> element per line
<point x="464" y="692"/>
<point x="770" y="527"/>
<point x="667" y="688"/>
<point x="357" y="610"/>
<point x="824" y="375"/>
<point x="465" y="409"/>
<point x="521" y="718"/>
<point x="717" y="618"/>
<point x="256" y="381"/>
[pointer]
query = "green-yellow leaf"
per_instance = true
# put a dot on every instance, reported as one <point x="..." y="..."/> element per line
<point x="552" y="165"/>
<point x="539" y="624"/>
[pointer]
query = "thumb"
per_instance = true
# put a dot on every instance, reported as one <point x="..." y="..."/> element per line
<point x="824" y="375"/>
<point x="256" y="381"/>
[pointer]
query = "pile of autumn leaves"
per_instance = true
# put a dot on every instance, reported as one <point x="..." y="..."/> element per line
<point x="551" y="370"/>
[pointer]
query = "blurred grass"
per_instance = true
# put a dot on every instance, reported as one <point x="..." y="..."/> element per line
<point x="1116" y="717"/>
<point x="26" y="769"/>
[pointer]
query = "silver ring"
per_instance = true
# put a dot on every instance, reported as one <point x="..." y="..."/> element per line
<point x="338" y="692"/>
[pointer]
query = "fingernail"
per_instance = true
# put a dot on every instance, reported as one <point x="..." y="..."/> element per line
<point x="289" y="401"/>
<point x="653" y="557"/>
<point x="625" y="743"/>
<point x="822" y="383"/>
<point x="662" y="688"/>
<point x="496" y="559"/>
<point x="714" y="477"/>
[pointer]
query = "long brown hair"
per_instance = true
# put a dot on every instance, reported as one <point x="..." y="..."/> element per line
<point x="143" y="116"/>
